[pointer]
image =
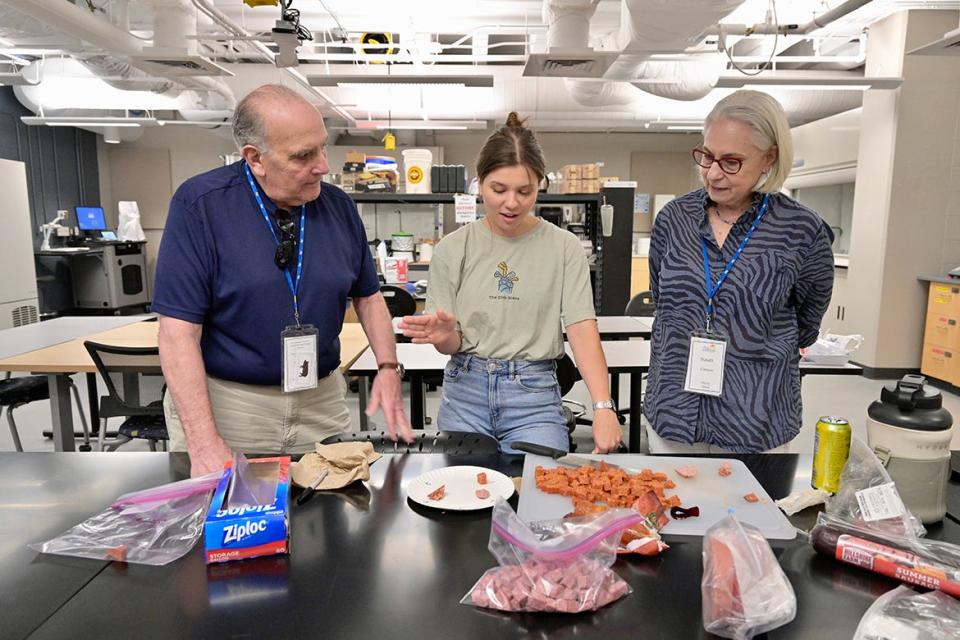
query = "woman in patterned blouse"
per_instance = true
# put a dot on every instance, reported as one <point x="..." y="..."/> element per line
<point x="773" y="260"/>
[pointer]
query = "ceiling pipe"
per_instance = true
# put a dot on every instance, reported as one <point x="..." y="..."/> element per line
<point x="818" y="22"/>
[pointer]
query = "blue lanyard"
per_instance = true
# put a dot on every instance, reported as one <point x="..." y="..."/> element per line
<point x="713" y="288"/>
<point x="293" y="284"/>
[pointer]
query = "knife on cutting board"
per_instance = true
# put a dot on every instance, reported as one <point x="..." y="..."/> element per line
<point x="564" y="458"/>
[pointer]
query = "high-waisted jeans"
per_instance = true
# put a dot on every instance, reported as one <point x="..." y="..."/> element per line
<point x="510" y="400"/>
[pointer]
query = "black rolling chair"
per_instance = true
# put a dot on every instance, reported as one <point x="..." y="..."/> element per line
<point x="641" y="304"/>
<point x="16" y="392"/>
<point x="448" y="442"/>
<point x="573" y="411"/>
<point x="123" y="369"/>
<point x="399" y="301"/>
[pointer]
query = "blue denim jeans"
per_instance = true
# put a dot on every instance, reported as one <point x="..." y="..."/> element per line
<point x="510" y="400"/>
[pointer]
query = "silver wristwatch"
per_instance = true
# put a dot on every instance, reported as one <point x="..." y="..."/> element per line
<point x="604" y="404"/>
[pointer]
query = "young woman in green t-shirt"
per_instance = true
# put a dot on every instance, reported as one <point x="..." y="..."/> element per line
<point x="502" y="290"/>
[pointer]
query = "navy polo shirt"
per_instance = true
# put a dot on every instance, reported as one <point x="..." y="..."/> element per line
<point x="215" y="268"/>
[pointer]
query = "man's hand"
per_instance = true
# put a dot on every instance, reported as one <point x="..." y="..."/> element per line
<point x="606" y="431"/>
<point x="209" y="457"/>
<point x="385" y="394"/>
<point x="438" y="329"/>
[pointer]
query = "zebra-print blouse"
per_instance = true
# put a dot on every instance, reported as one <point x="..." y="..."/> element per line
<point x="769" y="307"/>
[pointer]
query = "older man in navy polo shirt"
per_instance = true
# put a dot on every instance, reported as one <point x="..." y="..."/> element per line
<point x="253" y="275"/>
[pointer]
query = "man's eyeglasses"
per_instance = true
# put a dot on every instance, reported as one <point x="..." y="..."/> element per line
<point x="288" y="242"/>
<point x="727" y="164"/>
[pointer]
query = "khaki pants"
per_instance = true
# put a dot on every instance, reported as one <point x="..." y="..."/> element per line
<point x="263" y="419"/>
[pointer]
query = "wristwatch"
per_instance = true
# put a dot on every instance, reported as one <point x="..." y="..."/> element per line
<point x="396" y="366"/>
<point x="604" y="404"/>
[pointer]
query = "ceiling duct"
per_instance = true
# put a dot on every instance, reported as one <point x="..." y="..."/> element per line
<point x="207" y="98"/>
<point x="647" y="27"/>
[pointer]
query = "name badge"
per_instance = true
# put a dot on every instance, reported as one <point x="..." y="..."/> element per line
<point x="705" y="365"/>
<point x="299" y="358"/>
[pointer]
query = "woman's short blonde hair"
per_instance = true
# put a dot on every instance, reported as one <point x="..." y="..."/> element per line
<point x="766" y="118"/>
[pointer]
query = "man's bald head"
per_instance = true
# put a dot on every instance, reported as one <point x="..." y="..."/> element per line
<point x="249" y="126"/>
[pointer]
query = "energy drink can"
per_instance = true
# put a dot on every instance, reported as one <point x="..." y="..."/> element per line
<point x="831" y="447"/>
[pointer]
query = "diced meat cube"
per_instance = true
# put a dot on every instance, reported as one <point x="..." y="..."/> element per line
<point x="482" y="478"/>
<point x="117" y="554"/>
<point x="483" y="494"/>
<point x="725" y="469"/>
<point x="438" y="493"/>
<point x="751" y="497"/>
<point x="686" y="471"/>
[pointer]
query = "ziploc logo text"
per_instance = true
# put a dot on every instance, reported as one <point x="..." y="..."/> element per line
<point x="238" y="532"/>
<point x="242" y="511"/>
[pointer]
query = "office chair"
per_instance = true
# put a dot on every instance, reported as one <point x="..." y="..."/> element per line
<point x="16" y="392"/>
<point x="122" y="369"/>
<point x="641" y="304"/>
<point x="399" y="301"/>
<point x="573" y="411"/>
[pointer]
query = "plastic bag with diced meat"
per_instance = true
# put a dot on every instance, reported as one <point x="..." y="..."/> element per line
<point x="155" y="526"/>
<point x="554" y="565"/>
<point x="745" y="592"/>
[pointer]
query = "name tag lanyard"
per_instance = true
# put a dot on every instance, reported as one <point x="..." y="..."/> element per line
<point x="293" y="284"/>
<point x="712" y="289"/>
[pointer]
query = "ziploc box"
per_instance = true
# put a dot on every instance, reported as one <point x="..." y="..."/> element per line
<point x="234" y="533"/>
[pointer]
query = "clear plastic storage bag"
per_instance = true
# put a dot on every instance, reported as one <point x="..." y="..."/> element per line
<point x="154" y="526"/>
<point x="555" y="565"/>
<point x="744" y="590"/>
<point x="867" y="492"/>
<point x="904" y="614"/>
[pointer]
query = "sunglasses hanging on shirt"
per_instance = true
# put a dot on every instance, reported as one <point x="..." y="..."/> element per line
<point x="287" y="248"/>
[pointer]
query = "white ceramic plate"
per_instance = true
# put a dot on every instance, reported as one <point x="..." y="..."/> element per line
<point x="461" y="486"/>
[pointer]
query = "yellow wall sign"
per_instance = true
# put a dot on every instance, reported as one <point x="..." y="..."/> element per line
<point x="414" y="175"/>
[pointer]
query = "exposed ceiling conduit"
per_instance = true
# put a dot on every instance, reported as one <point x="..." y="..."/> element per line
<point x="818" y="22"/>
<point x="224" y="21"/>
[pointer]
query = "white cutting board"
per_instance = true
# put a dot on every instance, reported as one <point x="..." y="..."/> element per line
<point x="715" y="495"/>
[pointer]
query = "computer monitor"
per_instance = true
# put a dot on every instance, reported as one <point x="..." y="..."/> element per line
<point x="91" y="219"/>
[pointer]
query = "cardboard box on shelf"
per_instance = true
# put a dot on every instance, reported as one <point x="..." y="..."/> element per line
<point x="356" y="156"/>
<point x="589" y="171"/>
<point x="590" y="186"/>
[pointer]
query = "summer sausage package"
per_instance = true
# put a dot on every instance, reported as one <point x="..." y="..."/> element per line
<point x="554" y="565"/>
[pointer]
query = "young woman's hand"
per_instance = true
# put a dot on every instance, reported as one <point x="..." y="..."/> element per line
<point x="438" y="329"/>
<point x="606" y="431"/>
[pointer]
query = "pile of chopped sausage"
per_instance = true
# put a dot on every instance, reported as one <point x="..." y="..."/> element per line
<point x="596" y="489"/>
<point x="541" y="585"/>
<point x="604" y="484"/>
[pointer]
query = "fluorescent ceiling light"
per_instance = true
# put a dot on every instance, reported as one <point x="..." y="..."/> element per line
<point x="80" y="121"/>
<point x="839" y="81"/>
<point x="409" y="80"/>
<point x="806" y="87"/>
<point x="684" y="127"/>
<point x="453" y="125"/>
